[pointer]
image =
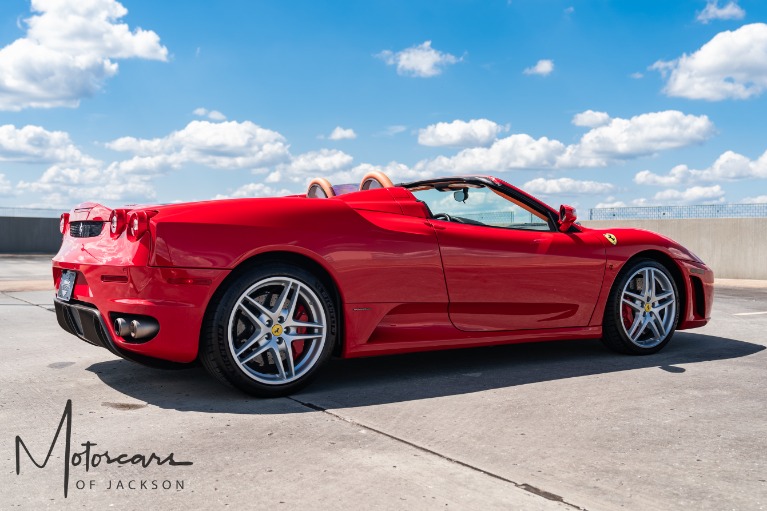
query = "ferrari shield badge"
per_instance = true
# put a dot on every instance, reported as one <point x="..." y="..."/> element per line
<point x="611" y="238"/>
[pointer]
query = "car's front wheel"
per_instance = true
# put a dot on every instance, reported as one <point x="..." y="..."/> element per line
<point x="271" y="331"/>
<point x="642" y="310"/>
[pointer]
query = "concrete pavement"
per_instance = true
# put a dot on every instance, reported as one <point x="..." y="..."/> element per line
<point x="561" y="425"/>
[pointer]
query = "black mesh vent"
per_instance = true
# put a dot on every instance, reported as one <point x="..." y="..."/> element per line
<point x="89" y="229"/>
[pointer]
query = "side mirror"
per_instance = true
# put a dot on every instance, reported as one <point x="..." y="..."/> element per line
<point x="567" y="217"/>
<point x="461" y="195"/>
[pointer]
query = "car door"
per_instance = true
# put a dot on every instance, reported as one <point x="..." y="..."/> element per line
<point x="506" y="265"/>
<point x="514" y="279"/>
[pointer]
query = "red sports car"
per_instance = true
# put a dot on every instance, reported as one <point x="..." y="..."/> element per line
<point x="264" y="291"/>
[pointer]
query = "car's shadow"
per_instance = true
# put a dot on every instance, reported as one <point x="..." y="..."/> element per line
<point x="390" y="379"/>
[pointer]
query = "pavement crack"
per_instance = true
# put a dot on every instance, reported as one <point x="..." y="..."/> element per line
<point x="522" y="486"/>
<point x="25" y="302"/>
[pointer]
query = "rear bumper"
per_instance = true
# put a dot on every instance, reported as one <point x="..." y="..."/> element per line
<point x="88" y="324"/>
<point x="175" y="297"/>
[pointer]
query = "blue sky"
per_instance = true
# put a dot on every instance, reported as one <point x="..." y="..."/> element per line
<point x="584" y="102"/>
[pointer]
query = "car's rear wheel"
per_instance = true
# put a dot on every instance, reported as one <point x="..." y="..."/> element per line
<point x="272" y="330"/>
<point x="642" y="310"/>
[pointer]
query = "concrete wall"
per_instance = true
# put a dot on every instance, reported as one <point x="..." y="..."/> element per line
<point x="20" y="235"/>
<point x="735" y="248"/>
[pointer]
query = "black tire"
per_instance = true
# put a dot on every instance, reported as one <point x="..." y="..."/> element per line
<point x="228" y="328"/>
<point x="619" y="314"/>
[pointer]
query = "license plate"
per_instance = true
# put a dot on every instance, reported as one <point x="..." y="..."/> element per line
<point x="66" y="285"/>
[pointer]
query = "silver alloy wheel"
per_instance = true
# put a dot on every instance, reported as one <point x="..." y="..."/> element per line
<point x="277" y="330"/>
<point x="648" y="307"/>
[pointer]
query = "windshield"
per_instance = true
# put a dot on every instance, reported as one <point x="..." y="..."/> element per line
<point x="479" y="205"/>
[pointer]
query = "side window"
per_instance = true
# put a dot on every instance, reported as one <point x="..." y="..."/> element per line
<point x="483" y="206"/>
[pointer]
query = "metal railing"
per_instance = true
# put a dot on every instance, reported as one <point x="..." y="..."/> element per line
<point x="31" y="212"/>
<point x="678" y="212"/>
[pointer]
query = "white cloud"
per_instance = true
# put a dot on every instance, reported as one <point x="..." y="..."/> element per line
<point x="761" y="199"/>
<point x="543" y="67"/>
<point x="566" y="186"/>
<point x="396" y="171"/>
<point x="570" y="10"/>
<point x="63" y="185"/>
<point x="213" y="115"/>
<point x="611" y="203"/>
<point x="712" y="11"/>
<point x="518" y="151"/>
<point x="315" y="163"/>
<point x="640" y="135"/>
<point x="6" y="188"/>
<point x="340" y="133"/>
<point x="33" y="144"/>
<point x="255" y="190"/>
<point x="695" y="194"/>
<point x="476" y="132"/>
<point x="636" y="76"/>
<point x="421" y="61"/>
<point x="67" y="53"/>
<point x="220" y="145"/>
<point x="729" y="166"/>
<point x="395" y="129"/>
<point x="619" y="140"/>
<point x="591" y="119"/>
<point x="732" y="65"/>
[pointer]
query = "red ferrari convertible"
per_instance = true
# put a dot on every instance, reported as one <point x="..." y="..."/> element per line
<point x="264" y="291"/>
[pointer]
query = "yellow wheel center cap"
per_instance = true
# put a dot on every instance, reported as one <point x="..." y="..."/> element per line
<point x="277" y="330"/>
<point x="647" y="307"/>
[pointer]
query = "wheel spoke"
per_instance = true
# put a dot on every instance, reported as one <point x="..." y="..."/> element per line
<point x="292" y="311"/>
<point x="663" y="296"/>
<point x="635" y="331"/>
<point x="663" y="306"/>
<point x="250" y="342"/>
<point x="278" y="363"/>
<point x="256" y="353"/>
<point x="261" y="308"/>
<point x="633" y="295"/>
<point x="290" y="369"/>
<point x="633" y="305"/>
<point x="256" y="321"/>
<point x="658" y="321"/>
<point x="303" y="337"/>
<point x="283" y="298"/>
<point x="651" y="288"/>
<point x="303" y="324"/>
<point x="654" y="328"/>
<point x="646" y="282"/>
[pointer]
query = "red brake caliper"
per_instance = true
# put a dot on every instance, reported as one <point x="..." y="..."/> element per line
<point x="300" y="315"/>
<point x="627" y="315"/>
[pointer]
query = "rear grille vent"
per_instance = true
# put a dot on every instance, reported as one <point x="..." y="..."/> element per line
<point x="85" y="229"/>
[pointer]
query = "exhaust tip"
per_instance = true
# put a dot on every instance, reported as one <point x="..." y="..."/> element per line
<point x="143" y="329"/>
<point x="121" y="327"/>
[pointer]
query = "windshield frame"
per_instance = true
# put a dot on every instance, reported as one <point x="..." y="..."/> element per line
<point x="504" y="189"/>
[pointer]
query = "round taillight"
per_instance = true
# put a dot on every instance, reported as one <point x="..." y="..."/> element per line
<point x="138" y="224"/>
<point x="117" y="222"/>
<point x="64" y="222"/>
